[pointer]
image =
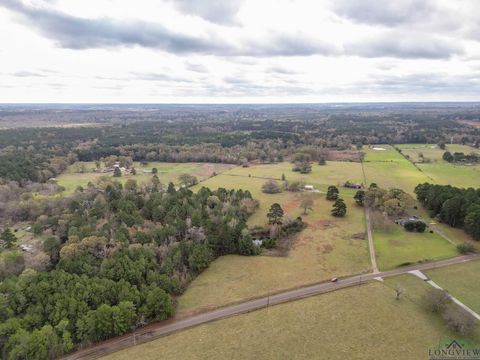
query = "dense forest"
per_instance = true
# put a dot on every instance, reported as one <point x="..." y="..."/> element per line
<point x="451" y="205"/>
<point x="228" y="134"/>
<point x="116" y="261"/>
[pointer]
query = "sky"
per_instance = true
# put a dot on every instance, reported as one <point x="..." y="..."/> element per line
<point x="239" y="51"/>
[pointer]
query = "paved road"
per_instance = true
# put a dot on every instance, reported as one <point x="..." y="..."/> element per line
<point x="169" y="326"/>
<point x="425" y="278"/>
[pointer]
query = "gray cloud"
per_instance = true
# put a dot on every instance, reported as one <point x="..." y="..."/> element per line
<point x="281" y="70"/>
<point x="216" y="11"/>
<point x="385" y="12"/>
<point x="405" y="45"/>
<point x="290" y="45"/>
<point x="424" y="83"/>
<point x="157" y="77"/>
<point x="80" y="33"/>
<point x="27" y="74"/>
<point x="199" y="68"/>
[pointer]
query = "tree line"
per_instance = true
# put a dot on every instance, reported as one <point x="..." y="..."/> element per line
<point x="457" y="207"/>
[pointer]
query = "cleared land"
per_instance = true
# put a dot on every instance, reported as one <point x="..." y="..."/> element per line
<point x="399" y="247"/>
<point x="440" y="171"/>
<point x="327" y="247"/>
<point x="389" y="169"/>
<point x="432" y="152"/>
<point x="167" y="172"/>
<point x="462" y="281"/>
<point x="336" y="325"/>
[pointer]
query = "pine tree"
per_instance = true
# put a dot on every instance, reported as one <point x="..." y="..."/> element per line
<point x="339" y="208"/>
<point x="359" y="197"/>
<point x="332" y="193"/>
<point x="275" y="214"/>
<point x="9" y="238"/>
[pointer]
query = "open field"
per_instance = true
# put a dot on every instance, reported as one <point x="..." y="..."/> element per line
<point x="327" y="247"/>
<point x="334" y="173"/>
<point x="431" y="151"/>
<point x="389" y="169"/>
<point x="363" y="322"/>
<point x="455" y="175"/>
<point x="462" y="281"/>
<point x="399" y="246"/>
<point x="440" y="171"/>
<point x="167" y="172"/>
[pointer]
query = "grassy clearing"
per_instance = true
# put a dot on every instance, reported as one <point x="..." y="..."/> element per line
<point x="334" y="173"/>
<point x="357" y="323"/>
<point x="440" y="171"/>
<point x="389" y="169"/>
<point x="431" y="151"/>
<point x="326" y="248"/>
<point x="461" y="281"/>
<point x="167" y="172"/>
<point x="399" y="246"/>
<point x="455" y="175"/>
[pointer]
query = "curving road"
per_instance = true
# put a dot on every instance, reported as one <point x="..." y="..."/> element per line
<point x="166" y="327"/>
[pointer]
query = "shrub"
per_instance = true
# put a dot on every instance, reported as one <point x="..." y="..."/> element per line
<point x="415" y="226"/>
<point x="458" y="320"/>
<point x="269" y="243"/>
<point x="271" y="187"/>
<point x="437" y="300"/>
<point x="466" y="248"/>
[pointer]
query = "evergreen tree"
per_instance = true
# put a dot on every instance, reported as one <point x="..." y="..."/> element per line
<point x="275" y="214"/>
<point x="359" y="197"/>
<point x="8" y="238"/>
<point x="339" y="208"/>
<point x="332" y="193"/>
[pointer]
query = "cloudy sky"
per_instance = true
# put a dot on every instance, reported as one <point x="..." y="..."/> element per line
<point x="222" y="51"/>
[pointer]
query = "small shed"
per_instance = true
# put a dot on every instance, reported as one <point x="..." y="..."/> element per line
<point x="309" y="187"/>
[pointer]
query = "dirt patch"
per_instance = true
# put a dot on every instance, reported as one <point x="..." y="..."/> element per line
<point x="326" y="249"/>
<point x="322" y="225"/>
<point x="359" y="236"/>
<point x="292" y="204"/>
<point x="207" y="170"/>
<point x="343" y="155"/>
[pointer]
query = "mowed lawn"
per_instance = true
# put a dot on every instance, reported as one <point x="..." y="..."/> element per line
<point x="389" y="169"/>
<point x="167" y="172"/>
<point x="398" y="247"/>
<point x="327" y="247"/>
<point x="364" y="322"/>
<point x="462" y="281"/>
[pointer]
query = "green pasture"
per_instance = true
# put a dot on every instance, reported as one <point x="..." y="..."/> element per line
<point x="364" y="322"/>
<point x="398" y="247"/>
<point x="462" y="281"/>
